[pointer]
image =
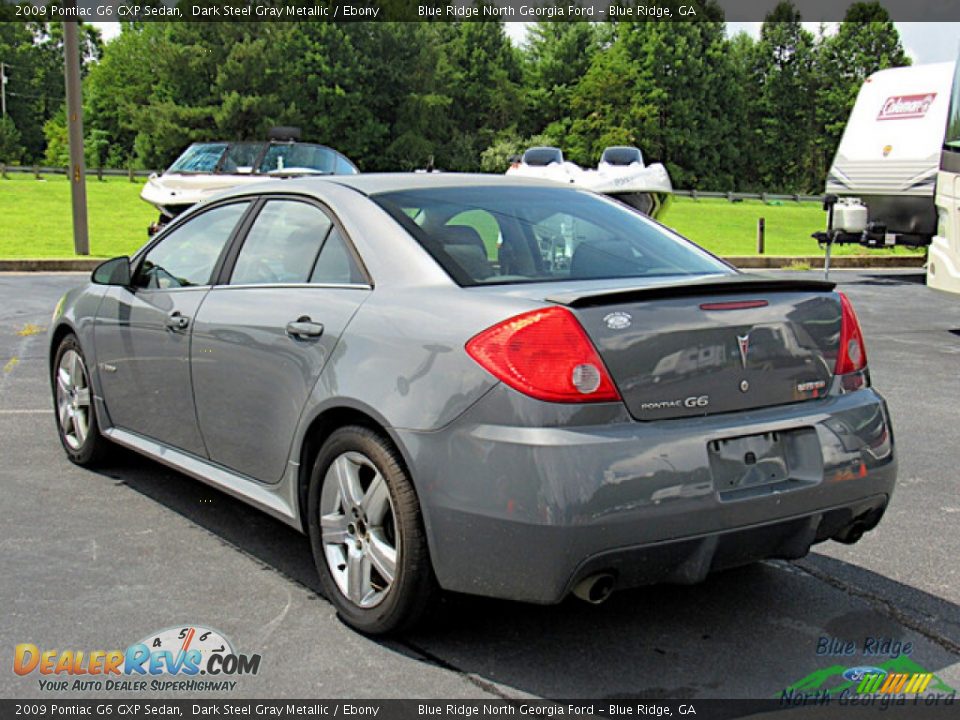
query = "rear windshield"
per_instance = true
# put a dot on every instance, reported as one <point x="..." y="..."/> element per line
<point x="491" y="235"/>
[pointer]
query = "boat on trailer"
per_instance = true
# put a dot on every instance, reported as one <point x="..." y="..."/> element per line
<point x="620" y="174"/>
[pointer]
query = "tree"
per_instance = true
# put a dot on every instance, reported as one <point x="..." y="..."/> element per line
<point x="558" y="54"/>
<point x="784" y="113"/>
<point x="57" y="152"/>
<point x="607" y="107"/>
<point x="11" y="151"/>
<point x="117" y="92"/>
<point x="742" y="162"/>
<point x="867" y="41"/>
<point x="479" y="70"/>
<point x="33" y="53"/>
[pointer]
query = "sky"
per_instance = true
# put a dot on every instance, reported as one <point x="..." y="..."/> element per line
<point x="924" y="42"/>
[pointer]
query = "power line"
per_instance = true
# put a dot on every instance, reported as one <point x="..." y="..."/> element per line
<point x="35" y="97"/>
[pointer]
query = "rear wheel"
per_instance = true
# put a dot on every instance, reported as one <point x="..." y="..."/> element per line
<point x="77" y="423"/>
<point x="367" y="533"/>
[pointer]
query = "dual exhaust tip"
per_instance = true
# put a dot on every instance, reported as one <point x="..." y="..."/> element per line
<point x="595" y="589"/>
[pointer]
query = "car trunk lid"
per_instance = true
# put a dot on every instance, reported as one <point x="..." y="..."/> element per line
<point x="713" y="345"/>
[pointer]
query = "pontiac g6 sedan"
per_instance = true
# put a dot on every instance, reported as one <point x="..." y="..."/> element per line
<point x="481" y="384"/>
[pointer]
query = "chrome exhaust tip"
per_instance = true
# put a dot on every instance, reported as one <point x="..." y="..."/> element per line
<point x="596" y="588"/>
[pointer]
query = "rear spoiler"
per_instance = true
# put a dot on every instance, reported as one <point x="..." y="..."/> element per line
<point x="717" y="285"/>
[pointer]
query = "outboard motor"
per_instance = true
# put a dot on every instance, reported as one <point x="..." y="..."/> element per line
<point x="543" y="156"/>
<point x="284" y="133"/>
<point x="621" y="156"/>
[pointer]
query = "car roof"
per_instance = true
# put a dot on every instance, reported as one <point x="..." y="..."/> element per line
<point x="373" y="183"/>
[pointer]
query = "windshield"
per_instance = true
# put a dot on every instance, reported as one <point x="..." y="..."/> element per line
<point x="952" y="140"/>
<point x="490" y="235"/>
<point x="299" y="156"/>
<point x="242" y="158"/>
<point x="200" y="157"/>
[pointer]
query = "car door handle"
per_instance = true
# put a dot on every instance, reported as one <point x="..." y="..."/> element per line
<point x="176" y="321"/>
<point x="304" y="327"/>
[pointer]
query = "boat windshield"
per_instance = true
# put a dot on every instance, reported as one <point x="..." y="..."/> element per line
<point x="244" y="158"/>
<point x="302" y="156"/>
<point x="199" y="157"/>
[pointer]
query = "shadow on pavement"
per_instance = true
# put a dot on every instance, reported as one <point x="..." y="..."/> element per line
<point x="898" y="279"/>
<point x="749" y="632"/>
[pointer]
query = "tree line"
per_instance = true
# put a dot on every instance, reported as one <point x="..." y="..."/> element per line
<point x="722" y="113"/>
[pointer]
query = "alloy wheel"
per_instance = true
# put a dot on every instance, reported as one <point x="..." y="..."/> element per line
<point x="73" y="399"/>
<point x="358" y="530"/>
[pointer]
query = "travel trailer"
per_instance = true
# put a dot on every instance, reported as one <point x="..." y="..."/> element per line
<point x="885" y="169"/>
<point x="943" y="260"/>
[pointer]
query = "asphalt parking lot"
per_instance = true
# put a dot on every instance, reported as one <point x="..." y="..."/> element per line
<point x="99" y="560"/>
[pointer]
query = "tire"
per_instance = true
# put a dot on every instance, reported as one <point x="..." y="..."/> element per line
<point x="73" y="405"/>
<point x="354" y="538"/>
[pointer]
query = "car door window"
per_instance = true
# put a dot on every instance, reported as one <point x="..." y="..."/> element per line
<point x="336" y="265"/>
<point x="282" y="244"/>
<point x="187" y="255"/>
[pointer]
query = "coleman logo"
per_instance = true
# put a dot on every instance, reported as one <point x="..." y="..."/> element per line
<point x="903" y="107"/>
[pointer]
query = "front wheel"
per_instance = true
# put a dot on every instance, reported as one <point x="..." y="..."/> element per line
<point x="367" y="533"/>
<point x="77" y="423"/>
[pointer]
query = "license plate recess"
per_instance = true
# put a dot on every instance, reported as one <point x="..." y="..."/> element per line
<point x="765" y="463"/>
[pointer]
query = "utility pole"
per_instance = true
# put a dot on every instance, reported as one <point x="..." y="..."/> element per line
<point x="78" y="174"/>
<point x="3" y="88"/>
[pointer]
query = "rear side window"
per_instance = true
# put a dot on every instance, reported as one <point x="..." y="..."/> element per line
<point x="511" y="234"/>
<point x="282" y="245"/>
<point x="336" y="265"/>
<point x="187" y="254"/>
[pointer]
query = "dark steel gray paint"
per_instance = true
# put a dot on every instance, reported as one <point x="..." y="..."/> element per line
<point x="520" y="497"/>
<point x="564" y="494"/>
<point x="150" y="391"/>
<point x="676" y="359"/>
<point x="251" y="378"/>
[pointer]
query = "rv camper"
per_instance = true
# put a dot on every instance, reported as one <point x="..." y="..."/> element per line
<point x="885" y="169"/>
<point x="943" y="261"/>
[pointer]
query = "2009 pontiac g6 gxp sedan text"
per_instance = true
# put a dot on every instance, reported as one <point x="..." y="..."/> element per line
<point x="481" y="384"/>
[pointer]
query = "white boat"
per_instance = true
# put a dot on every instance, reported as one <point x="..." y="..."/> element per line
<point x="206" y="168"/>
<point x="621" y="174"/>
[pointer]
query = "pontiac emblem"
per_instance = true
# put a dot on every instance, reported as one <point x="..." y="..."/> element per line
<point x="744" y="342"/>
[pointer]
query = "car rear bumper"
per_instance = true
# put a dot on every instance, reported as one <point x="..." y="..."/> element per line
<point x="527" y="512"/>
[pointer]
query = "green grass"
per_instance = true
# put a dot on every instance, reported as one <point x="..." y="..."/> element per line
<point x="727" y="228"/>
<point x="35" y="221"/>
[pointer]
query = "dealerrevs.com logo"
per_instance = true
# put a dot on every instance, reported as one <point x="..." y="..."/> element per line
<point x="169" y="660"/>
<point x="903" y="107"/>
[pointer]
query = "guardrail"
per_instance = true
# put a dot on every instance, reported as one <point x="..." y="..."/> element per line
<point x="38" y="170"/>
<point x="738" y="196"/>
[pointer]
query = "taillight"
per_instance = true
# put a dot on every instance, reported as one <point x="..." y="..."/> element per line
<point x="544" y="354"/>
<point x="853" y="353"/>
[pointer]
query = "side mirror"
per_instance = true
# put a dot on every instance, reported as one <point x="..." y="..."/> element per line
<point x="113" y="272"/>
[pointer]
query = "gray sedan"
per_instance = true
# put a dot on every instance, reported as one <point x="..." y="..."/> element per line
<point x="480" y="384"/>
